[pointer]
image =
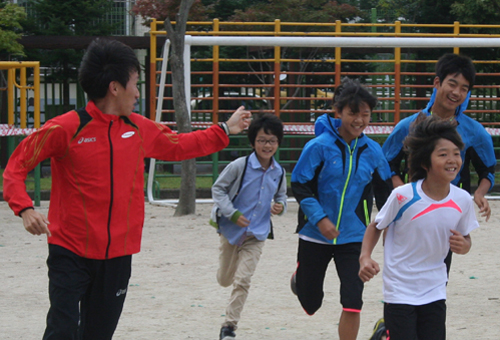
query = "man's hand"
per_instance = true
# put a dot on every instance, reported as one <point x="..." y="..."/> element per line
<point x="35" y="223"/>
<point x="368" y="268"/>
<point x="277" y="208"/>
<point x="239" y="120"/>
<point x="327" y="229"/>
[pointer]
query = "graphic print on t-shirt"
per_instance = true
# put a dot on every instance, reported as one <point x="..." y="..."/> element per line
<point x="435" y="206"/>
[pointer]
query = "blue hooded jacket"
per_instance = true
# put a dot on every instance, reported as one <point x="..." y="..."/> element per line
<point x="332" y="179"/>
<point x="478" y="146"/>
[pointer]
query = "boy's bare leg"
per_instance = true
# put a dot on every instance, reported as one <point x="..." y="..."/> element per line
<point x="349" y="325"/>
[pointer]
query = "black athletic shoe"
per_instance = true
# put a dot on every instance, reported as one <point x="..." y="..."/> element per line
<point x="379" y="330"/>
<point x="293" y="283"/>
<point x="227" y="333"/>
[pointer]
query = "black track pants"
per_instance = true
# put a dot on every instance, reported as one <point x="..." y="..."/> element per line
<point x="86" y="296"/>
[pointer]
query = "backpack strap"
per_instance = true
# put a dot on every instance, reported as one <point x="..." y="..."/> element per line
<point x="241" y="178"/>
<point x="281" y="180"/>
<point x="271" y="231"/>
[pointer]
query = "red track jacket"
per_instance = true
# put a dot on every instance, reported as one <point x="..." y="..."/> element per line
<point x="97" y="161"/>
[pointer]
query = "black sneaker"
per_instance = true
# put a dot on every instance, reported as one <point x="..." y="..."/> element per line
<point x="379" y="330"/>
<point x="293" y="283"/>
<point x="227" y="333"/>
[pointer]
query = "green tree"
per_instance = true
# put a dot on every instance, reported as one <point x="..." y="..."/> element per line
<point x="224" y="9"/>
<point x="297" y="11"/>
<point x="11" y="17"/>
<point x="477" y="11"/>
<point x="443" y="11"/>
<point x="171" y="9"/>
<point x="66" y="18"/>
<point x="418" y="11"/>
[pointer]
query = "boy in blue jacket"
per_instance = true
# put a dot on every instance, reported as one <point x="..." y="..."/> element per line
<point x="455" y="75"/>
<point x="333" y="181"/>
<point x="243" y="196"/>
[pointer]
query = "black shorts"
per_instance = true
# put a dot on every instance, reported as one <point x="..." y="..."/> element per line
<point x="313" y="259"/>
<point x="407" y="322"/>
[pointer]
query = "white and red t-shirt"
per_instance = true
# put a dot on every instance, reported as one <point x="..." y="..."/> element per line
<point x="417" y="241"/>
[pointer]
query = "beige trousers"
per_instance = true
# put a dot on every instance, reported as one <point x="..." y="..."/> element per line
<point x="236" y="266"/>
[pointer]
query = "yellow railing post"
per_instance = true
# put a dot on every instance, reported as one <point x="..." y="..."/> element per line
<point x="397" y="76"/>
<point x="215" y="76"/>
<point x="36" y="106"/>
<point x="338" y="56"/>
<point x="10" y="94"/>
<point x="152" y="70"/>
<point x="456" y="31"/>
<point x="277" y="70"/>
<point x="11" y="67"/>
<point x="22" y="99"/>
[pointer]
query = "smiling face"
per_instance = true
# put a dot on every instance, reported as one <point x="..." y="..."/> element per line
<point x="265" y="147"/>
<point x="354" y="123"/>
<point x="445" y="162"/>
<point x="451" y="93"/>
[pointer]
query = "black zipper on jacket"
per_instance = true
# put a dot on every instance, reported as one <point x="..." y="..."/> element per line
<point x="110" y="187"/>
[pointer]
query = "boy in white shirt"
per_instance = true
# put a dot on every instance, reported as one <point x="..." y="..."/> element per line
<point x="424" y="219"/>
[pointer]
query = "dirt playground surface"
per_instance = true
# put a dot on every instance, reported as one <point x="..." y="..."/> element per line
<point x="173" y="293"/>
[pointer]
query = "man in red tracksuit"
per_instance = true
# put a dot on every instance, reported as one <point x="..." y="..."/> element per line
<point x="96" y="211"/>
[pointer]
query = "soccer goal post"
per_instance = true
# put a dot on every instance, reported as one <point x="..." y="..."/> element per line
<point x="325" y="42"/>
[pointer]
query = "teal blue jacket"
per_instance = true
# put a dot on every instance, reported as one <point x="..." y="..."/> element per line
<point x="335" y="180"/>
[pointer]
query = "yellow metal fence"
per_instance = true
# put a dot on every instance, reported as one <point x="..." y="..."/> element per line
<point x="19" y="70"/>
<point x="288" y="89"/>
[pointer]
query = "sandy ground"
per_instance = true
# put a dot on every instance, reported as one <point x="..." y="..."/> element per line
<point x="173" y="293"/>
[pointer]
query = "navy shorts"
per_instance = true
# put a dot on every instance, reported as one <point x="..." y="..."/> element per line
<point x="313" y="260"/>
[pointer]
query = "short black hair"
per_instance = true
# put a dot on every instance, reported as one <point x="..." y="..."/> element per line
<point x="271" y="124"/>
<point x="422" y="139"/>
<point x="105" y="61"/>
<point x="351" y="93"/>
<point x="456" y="64"/>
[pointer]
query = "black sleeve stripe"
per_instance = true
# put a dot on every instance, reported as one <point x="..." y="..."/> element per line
<point x="307" y="189"/>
